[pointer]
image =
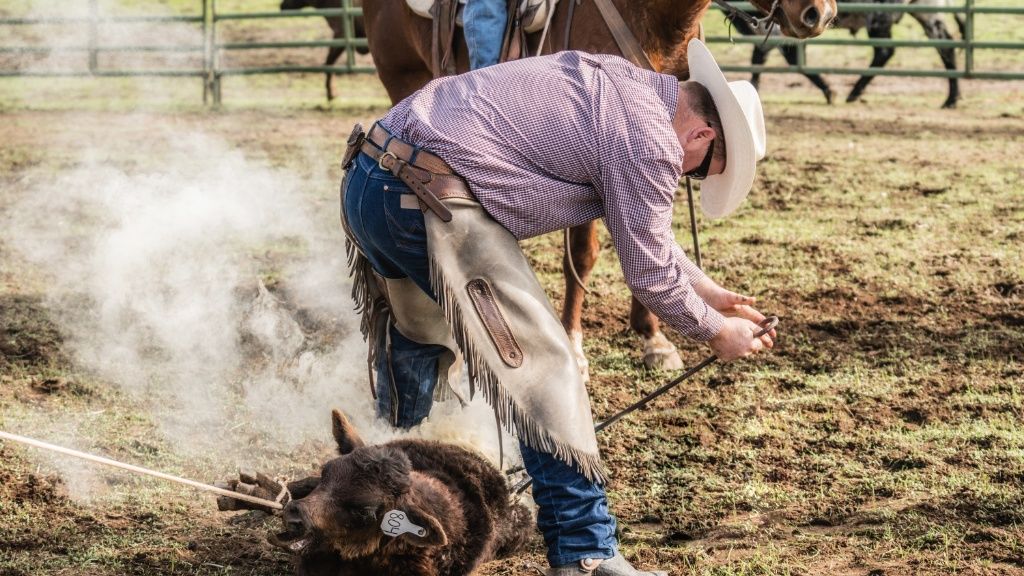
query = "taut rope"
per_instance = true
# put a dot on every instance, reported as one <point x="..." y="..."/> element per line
<point x="140" y="470"/>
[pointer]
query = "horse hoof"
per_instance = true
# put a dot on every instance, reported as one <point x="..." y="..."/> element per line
<point x="661" y="354"/>
<point x="581" y="359"/>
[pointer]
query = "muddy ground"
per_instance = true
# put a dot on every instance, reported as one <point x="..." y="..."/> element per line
<point x="882" y="435"/>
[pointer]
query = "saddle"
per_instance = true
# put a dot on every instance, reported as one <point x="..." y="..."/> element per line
<point x="524" y="17"/>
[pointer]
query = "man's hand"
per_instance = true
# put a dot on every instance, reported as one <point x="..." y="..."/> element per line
<point x="732" y="305"/>
<point x="736" y="340"/>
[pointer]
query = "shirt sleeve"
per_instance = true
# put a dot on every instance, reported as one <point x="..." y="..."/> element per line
<point x="638" y="196"/>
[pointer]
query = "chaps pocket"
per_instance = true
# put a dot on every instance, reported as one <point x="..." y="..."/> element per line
<point x="501" y="335"/>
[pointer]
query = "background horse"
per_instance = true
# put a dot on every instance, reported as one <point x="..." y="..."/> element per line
<point x="337" y="24"/>
<point x="400" y="42"/>
<point x="879" y="25"/>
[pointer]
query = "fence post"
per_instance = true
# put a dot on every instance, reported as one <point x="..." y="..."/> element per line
<point x="216" y="53"/>
<point x="206" y="51"/>
<point x="969" y="38"/>
<point x="93" y="34"/>
<point x="350" y="35"/>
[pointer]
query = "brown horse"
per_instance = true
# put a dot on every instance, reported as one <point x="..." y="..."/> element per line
<point x="400" y="42"/>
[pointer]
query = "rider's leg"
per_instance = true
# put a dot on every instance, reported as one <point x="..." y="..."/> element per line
<point x="483" y="23"/>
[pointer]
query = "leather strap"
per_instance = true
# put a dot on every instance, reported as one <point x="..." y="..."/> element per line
<point x="405" y="151"/>
<point x="443" y="34"/>
<point x="568" y="22"/>
<point x="443" y="186"/>
<point x="627" y="42"/>
<point x="429" y="177"/>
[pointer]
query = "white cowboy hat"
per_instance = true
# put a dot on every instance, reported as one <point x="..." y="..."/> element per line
<point x="739" y="107"/>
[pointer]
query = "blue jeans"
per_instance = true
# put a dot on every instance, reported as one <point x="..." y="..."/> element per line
<point x="573" y="512"/>
<point x="483" y="24"/>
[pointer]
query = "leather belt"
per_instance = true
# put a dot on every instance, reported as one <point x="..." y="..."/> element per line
<point x="427" y="175"/>
<point x="405" y="151"/>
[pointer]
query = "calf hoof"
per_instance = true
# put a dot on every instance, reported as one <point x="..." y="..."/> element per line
<point x="581" y="359"/>
<point x="661" y="354"/>
<point x="949" y="104"/>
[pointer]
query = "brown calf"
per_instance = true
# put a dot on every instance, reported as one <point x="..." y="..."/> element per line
<point x="407" y="507"/>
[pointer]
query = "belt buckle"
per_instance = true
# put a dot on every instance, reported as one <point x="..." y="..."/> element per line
<point x="380" y="161"/>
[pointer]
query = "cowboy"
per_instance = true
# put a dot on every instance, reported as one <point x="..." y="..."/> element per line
<point x="436" y="195"/>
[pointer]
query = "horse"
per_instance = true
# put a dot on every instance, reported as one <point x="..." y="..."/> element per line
<point x="400" y="42"/>
<point x="879" y="25"/>
<point x="337" y="24"/>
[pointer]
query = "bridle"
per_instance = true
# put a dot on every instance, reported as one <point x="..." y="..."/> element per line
<point x="760" y="25"/>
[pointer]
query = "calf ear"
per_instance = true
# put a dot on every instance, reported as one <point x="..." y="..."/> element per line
<point x="345" y="434"/>
<point x="435" y="535"/>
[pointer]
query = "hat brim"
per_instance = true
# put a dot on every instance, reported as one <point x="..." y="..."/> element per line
<point x="722" y="193"/>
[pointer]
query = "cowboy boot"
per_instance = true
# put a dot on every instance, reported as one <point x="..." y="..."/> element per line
<point x="614" y="566"/>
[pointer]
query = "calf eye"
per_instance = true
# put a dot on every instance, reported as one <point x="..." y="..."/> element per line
<point x="362" y="515"/>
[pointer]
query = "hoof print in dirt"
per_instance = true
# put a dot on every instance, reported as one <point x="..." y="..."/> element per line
<point x="407" y="507"/>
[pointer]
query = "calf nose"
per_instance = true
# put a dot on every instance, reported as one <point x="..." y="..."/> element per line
<point x="294" y="519"/>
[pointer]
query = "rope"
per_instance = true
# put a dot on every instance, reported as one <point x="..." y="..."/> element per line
<point x="572" y="265"/>
<point x="276" y="505"/>
<point x="767" y="325"/>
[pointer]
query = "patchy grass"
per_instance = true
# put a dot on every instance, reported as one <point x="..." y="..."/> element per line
<point x="882" y="436"/>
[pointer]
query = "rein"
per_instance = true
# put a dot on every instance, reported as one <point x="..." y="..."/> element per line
<point x="760" y="25"/>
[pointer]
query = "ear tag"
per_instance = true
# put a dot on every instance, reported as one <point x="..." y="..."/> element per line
<point x="396" y="523"/>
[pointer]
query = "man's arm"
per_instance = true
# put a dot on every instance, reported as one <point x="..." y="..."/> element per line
<point x="638" y="196"/>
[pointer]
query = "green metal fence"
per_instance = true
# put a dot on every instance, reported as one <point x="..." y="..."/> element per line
<point x="968" y="43"/>
<point x="212" y="71"/>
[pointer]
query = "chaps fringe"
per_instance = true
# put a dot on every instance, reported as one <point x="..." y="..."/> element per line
<point x="375" y="313"/>
<point x="509" y="415"/>
<point x="372" y="308"/>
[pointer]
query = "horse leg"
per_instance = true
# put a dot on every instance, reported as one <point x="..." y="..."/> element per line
<point x="792" y="56"/>
<point x="758" y="58"/>
<point x="332" y="57"/>
<point x="935" y="29"/>
<point x="659" y="352"/>
<point x="583" y="249"/>
<point x="879" y="26"/>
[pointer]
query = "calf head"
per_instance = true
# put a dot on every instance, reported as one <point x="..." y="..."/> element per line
<point x="365" y="487"/>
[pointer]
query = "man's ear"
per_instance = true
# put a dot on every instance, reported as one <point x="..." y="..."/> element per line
<point x="434" y="536"/>
<point x="345" y="434"/>
<point x="700" y="134"/>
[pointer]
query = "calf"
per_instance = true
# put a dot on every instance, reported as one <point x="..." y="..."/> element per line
<point x="879" y="25"/>
<point x="407" y="507"/>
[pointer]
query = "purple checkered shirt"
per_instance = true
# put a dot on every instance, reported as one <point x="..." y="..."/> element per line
<point x="556" y="141"/>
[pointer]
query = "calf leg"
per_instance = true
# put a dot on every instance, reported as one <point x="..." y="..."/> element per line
<point x="935" y="29"/>
<point x="583" y="249"/>
<point x="879" y="26"/>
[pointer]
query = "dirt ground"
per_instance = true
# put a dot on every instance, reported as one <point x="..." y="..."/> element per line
<point x="882" y="436"/>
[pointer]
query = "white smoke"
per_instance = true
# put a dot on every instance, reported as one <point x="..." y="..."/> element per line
<point x="210" y="288"/>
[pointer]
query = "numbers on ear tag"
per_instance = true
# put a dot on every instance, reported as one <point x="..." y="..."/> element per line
<point x="396" y="523"/>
